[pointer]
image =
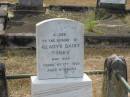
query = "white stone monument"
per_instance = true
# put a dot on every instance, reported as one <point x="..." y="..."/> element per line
<point x="60" y="56"/>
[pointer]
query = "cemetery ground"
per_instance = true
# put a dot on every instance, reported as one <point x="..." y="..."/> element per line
<point x="24" y="21"/>
<point x="66" y="2"/>
<point x="21" y="61"/>
<point x="119" y="23"/>
<point x="24" y="61"/>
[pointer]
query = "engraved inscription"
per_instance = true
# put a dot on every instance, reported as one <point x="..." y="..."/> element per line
<point x="60" y="50"/>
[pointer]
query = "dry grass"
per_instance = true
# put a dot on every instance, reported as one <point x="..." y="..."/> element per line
<point x="71" y="2"/>
<point x="19" y="62"/>
<point x="23" y="61"/>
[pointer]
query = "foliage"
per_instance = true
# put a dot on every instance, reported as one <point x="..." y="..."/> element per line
<point x="90" y="22"/>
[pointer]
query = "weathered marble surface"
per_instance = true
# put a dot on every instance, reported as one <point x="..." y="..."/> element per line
<point x="60" y="48"/>
<point x="72" y="87"/>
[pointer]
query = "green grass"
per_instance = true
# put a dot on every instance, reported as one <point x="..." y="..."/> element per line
<point x="90" y="22"/>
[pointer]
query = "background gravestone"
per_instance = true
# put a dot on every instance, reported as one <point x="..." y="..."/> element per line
<point x="31" y="3"/>
<point x="60" y="56"/>
<point x="113" y="1"/>
<point x="117" y="4"/>
<point x="60" y="49"/>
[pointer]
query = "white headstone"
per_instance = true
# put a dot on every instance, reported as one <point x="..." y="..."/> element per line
<point x="60" y="48"/>
<point x="60" y="54"/>
<point x="113" y="1"/>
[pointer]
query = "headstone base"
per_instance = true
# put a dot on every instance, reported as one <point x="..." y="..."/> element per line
<point x="72" y="87"/>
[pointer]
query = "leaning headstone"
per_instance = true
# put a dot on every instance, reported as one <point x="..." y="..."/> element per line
<point x="31" y="3"/>
<point x="60" y="55"/>
<point x="118" y="4"/>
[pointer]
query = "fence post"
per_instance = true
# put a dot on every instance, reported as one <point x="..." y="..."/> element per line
<point x="112" y="87"/>
<point x="3" y="83"/>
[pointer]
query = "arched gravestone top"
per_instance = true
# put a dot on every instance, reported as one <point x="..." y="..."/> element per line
<point x="60" y="48"/>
